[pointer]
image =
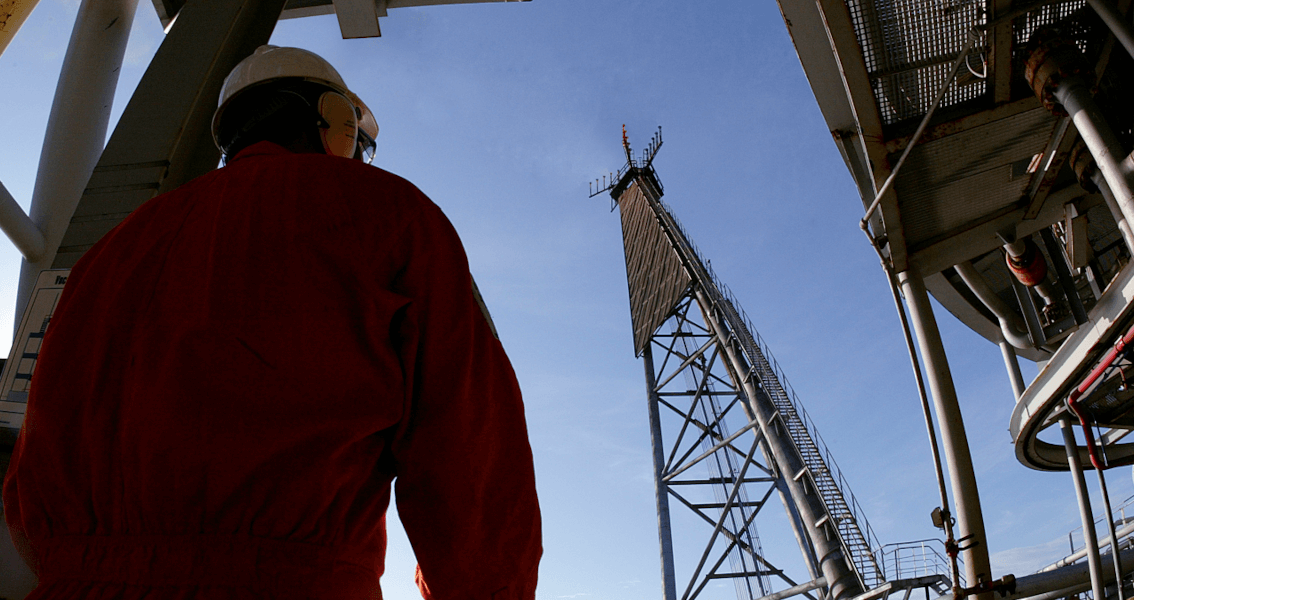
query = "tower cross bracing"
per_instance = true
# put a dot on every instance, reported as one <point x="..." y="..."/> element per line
<point x="717" y="398"/>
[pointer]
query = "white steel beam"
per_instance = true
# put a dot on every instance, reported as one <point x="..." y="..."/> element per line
<point x="19" y="227"/>
<point x="958" y="457"/>
<point x="357" y="18"/>
<point x="163" y="138"/>
<point x="78" y="124"/>
<point x="660" y="493"/>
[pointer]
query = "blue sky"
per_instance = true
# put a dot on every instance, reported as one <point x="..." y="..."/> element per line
<point x="502" y="113"/>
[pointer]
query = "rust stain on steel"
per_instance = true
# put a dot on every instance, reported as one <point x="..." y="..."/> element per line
<point x="983" y="118"/>
<point x="1054" y="58"/>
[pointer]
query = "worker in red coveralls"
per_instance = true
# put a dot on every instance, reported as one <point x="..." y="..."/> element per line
<point x="235" y="374"/>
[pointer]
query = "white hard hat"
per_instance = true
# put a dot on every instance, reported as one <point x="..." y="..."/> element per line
<point x="269" y="63"/>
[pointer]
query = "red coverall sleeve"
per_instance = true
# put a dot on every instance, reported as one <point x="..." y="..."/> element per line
<point x="465" y="484"/>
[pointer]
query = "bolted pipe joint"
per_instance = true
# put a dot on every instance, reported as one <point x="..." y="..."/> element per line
<point x="1063" y="81"/>
<point x="841" y="585"/>
<point x="1086" y="170"/>
<point x="1053" y="58"/>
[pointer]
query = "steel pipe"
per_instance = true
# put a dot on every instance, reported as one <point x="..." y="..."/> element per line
<point x="946" y="527"/>
<point x="813" y="584"/>
<point x="1123" y="532"/>
<point x="1119" y="27"/>
<point x="1067" y="592"/>
<point x="1086" y="510"/>
<point x="958" y="457"/>
<point x="829" y="555"/>
<point x="1072" y="400"/>
<point x="1111" y="527"/>
<point x="1030" y="582"/>
<point x="1060" y="583"/>
<point x="1073" y="93"/>
<point x="720" y="445"/>
<point x="1010" y="323"/>
<point x="19" y="227"/>
<point x="659" y="483"/>
<point x="78" y="125"/>
<point x="1122" y="223"/>
<point x="1014" y="369"/>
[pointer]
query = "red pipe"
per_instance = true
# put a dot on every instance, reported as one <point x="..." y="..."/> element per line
<point x="1097" y="372"/>
<point x="1029" y="268"/>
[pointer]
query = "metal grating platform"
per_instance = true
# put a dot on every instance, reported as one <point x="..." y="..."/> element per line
<point x="907" y="47"/>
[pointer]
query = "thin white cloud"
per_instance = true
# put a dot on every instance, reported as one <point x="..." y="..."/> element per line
<point x="1029" y="559"/>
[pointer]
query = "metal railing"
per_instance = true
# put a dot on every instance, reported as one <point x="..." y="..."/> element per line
<point x="1123" y="514"/>
<point x="909" y="560"/>
<point x="849" y="523"/>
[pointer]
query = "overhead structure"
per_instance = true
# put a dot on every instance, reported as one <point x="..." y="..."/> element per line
<point x="356" y="18"/>
<point x="992" y="145"/>
<point x="727" y="433"/>
<point x="85" y="187"/>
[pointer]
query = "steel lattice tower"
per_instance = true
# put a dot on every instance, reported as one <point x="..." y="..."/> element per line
<point x="727" y="433"/>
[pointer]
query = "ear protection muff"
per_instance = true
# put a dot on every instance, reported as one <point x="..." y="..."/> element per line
<point x="337" y="124"/>
<point x="271" y="108"/>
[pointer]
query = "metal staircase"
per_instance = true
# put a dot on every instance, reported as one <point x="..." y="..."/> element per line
<point x="841" y="510"/>
<point x="845" y="518"/>
<point x="703" y="360"/>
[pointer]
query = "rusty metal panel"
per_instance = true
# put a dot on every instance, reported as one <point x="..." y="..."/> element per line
<point x="967" y="176"/>
<point x="656" y="277"/>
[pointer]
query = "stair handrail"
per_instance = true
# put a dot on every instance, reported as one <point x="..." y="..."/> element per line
<point x="835" y="475"/>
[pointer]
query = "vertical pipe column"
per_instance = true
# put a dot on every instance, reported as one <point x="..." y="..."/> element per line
<point x="1014" y="369"/>
<point x="1111" y="526"/>
<point x="78" y="125"/>
<point x="1086" y="510"/>
<point x="1112" y="205"/>
<point x="1115" y="541"/>
<point x="1073" y="93"/>
<point x="659" y="486"/>
<point x="958" y="458"/>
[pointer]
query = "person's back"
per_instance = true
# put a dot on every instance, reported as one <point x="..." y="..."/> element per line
<point x="235" y="374"/>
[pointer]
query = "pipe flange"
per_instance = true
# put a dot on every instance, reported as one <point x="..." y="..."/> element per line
<point x="1053" y="58"/>
<point x="1082" y="163"/>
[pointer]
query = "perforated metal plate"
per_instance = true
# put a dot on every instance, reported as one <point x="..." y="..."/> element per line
<point x="967" y="176"/>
